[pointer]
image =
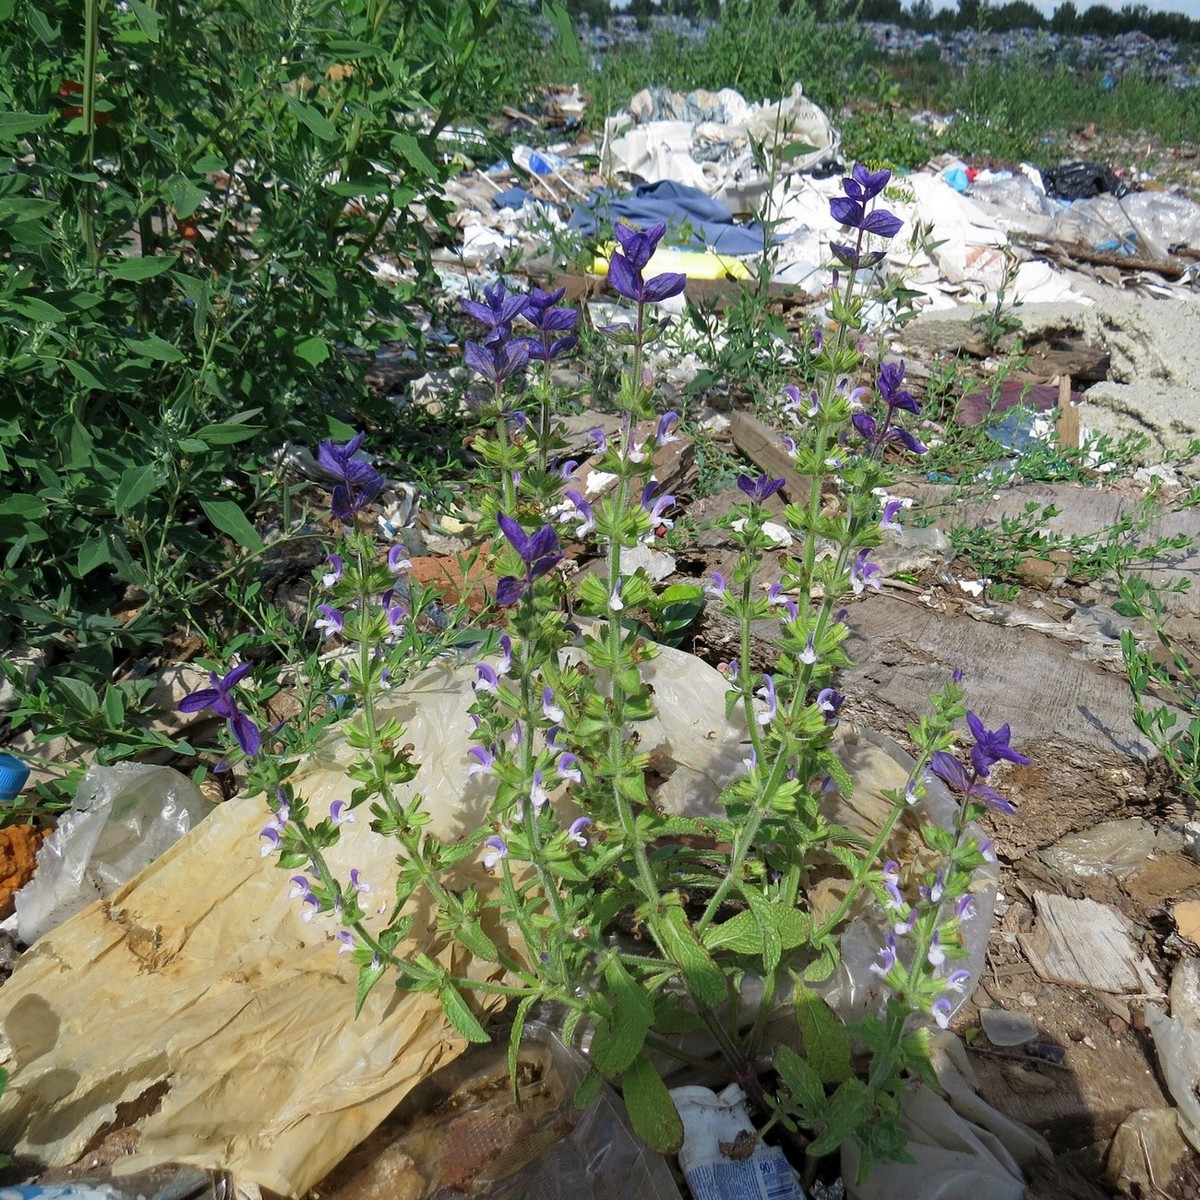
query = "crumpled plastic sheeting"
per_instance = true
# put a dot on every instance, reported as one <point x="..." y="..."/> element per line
<point x="703" y="139"/>
<point x="199" y="975"/>
<point x="962" y="1145"/>
<point x="1177" y="1043"/>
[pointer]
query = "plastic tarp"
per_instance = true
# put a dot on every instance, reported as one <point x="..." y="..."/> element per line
<point x="195" y="1004"/>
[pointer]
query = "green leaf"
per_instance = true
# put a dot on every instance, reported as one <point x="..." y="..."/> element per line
<point x="588" y="1089"/>
<point x="652" y="1112"/>
<point x="15" y="124"/>
<point x="674" y="932"/>
<point x="77" y="695"/>
<point x="151" y="346"/>
<point x="114" y="707"/>
<point x="460" y="1016"/>
<point x="823" y="965"/>
<point x="95" y="552"/>
<point x="38" y="310"/>
<point x="313" y="350"/>
<point x="410" y="150"/>
<point x="339" y="430"/>
<point x="135" y="484"/>
<point x="471" y="934"/>
<point x="227" y="433"/>
<point x="368" y="974"/>
<point x="146" y="18"/>
<point x="802" y="1081"/>
<point x="137" y="269"/>
<point x="514" y="1040"/>
<point x="34" y="508"/>
<point x="83" y="375"/>
<point x="185" y="196"/>
<point x="847" y="1109"/>
<point x="313" y="120"/>
<point x="826" y="1042"/>
<point x="229" y="519"/>
<point x="618" y="1040"/>
<point x="741" y="934"/>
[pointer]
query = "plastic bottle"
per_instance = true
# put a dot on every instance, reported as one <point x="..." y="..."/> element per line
<point x="13" y="776"/>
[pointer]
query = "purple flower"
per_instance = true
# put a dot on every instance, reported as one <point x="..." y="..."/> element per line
<point x="500" y="308"/>
<point x="221" y="700"/>
<point x="539" y="552"/>
<point x="829" y="701"/>
<point x="664" y="434"/>
<point x="330" y="620"/>
<point x="496" y="850"/>
<point x="964" y="910"/>
<point x="717" y="587"/>
<point x="890" y="511"/>
<point x="346" y="938"/>
<point x="335" y="571"/>
<point x="506" y="648"/>
<point x="766" y="693"/>
<point x="887" y="957"/>
<point x="568" y="768"/>
<point x="299" y="887"/>
<point x="941" y="1010"/>
<point x="808" y="655"/>
<point x="848" y="256"/>
<point x="880" y="222"/>
<point x="626" y="266"/>
<point x="310" y="906"/>
<point x="397" y="560"/>
<point x="537" y="792"/>
<point x="271" y="838"/>
<point x="483" y="761"/>
<point x="947" y="768"/>
<point x="357" y="882"/>
<point x="759" y="489"/>
<point x="865" y="575"/>
<point x="957" y="981"/>
<point x="864" y="184"/>
<point x="582" y="509"/>
<point x="340" y="814"/>
<point x="598" y="436"/>
<point x="575" y="833"/>
<point x="488" y="680"/>
<point x="551" y="710"/>
<point x="358" y="482"/>
<point x="550" y="321"/>
<point x="498" y="359"/>
<point x="891" y="376"/>
<point x="936" y="954"/>
<point x="991" y="746"/>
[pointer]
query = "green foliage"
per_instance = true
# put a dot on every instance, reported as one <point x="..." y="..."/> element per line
<point x="1165" y="686"/>
<point x="192" y="206"/>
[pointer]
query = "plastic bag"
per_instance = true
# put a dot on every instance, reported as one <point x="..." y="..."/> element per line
<point x="1078" y="180"/>
<point x="124" y="817"/>
<point x="459" y="1133"/>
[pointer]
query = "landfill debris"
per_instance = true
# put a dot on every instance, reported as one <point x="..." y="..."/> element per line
<point x="1112" y="850"/>
<point x="1177" y="1044"/>
<point x="169" y="1182"/>
<point x="1085" y="944"/>
<point x="714" y="1127"/>
<point x="460" y="1133"/>
<point x="960" y="1144"/>
<point x="1005" y="1028"/>
<point x="1187" y="920"/>
<point x="1145" y="1151"/>
<point x="123" y="817"/>
<point x="1078" y="180"/>
<point x="703" y="139"/>
<point x="18" y="854"/>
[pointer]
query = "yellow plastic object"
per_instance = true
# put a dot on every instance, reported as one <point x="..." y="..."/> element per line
<point x="695" y="264"/>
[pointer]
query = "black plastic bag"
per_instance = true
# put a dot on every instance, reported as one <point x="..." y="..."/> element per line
<point x="1079" y="180"/>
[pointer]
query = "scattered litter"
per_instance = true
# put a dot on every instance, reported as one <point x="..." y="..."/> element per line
<point x="713" y="1125"/>
<point x="124" y="817"/>
<point x="1080" y="943"/>
<point x="1112" y="850"/>
<point x="1004" y="1028"/>
<point x="1177" y="1043"/>
<point x="1075" y="181"/>
<point x="703" y="139"/>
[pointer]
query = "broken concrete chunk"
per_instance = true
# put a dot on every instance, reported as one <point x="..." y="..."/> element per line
<point x="1145" y="1151"/>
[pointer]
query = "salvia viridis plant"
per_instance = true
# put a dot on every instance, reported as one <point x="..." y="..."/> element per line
<point x="662" y="935"/>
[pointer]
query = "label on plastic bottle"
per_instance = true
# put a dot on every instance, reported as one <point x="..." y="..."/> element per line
<point x="766" y="1176"/>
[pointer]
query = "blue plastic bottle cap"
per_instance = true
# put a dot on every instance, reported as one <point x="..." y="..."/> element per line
<point x="13" y="774"/>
